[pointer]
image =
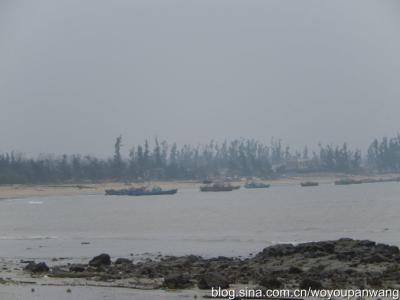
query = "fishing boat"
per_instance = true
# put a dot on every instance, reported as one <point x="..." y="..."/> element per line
<point x="218" y="187"/>
<point x="346" y="181"/>
<point x="256" y="185"/>
<point x="207" y="181"/>
<point x="309" y="183"/>
<point x="142" y="191"/>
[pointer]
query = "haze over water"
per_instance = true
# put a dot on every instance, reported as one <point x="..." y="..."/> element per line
<point x="74" y="75"/>
<point x="231" y="224"/>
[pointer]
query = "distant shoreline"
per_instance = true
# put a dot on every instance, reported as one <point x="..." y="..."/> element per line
<point x="18" y="191"/>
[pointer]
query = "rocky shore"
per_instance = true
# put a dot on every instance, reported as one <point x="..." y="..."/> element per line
<point x="343" y="263"/>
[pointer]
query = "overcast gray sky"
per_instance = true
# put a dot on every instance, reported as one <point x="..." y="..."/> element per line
<point x="75" y="74"/>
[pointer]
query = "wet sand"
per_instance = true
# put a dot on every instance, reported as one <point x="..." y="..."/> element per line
<point x="24" y="292"/>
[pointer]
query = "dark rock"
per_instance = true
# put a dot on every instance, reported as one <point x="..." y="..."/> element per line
<point x="308" y="283"/>
<point x="147" y="271"/>
<point x="295" y="270"/>
<point x="270" y="282"/>
<point x="316" y="270"/>
<point x="183" y="261"/>
<point x="77" y="268"/>
<point x="329" y="264"/>
<point x="212" y="280"/>
<point x="372" y="259"/>
<point x="22" y="261"/>
<point x="346" y="255"/>
<point x="314" y="254"/>
<point x="374" y="281"/>
<point x="37" y="267"/>
<point x="177" y="282"/>
<point x="387" y="250"/>
<point x="366" y="243"/>
<point x="277" y="250"/>
<point x="323" y="248"/>
<point x="123" y="261"/>
<point x="100" y="260"/>
<point x="190" y="259"/>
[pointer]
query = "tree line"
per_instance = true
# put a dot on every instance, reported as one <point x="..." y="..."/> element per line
<point x="165" y="161"/>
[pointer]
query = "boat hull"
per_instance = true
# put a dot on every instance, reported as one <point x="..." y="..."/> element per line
<point x="348" y="182"/>
<point x="307" y="184"/>
<point x="216" y="189"/>
<point x="140" y="193"/>
<point x="257" y="186"/>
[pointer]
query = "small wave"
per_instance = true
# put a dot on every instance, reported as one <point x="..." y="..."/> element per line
<point x="227" y="239"/>
<point x="215" y="239"/>
<point x="35" y="202"/>
<point x="29" y="238"/>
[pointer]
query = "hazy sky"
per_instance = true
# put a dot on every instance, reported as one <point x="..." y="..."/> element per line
<point x="74" y="74"/>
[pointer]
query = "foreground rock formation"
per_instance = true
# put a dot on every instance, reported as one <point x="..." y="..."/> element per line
<point x="343" y="263"/>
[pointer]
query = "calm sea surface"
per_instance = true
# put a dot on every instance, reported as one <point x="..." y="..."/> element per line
<point x="227" y="223"/>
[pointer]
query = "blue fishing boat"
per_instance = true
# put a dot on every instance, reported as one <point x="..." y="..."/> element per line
<point x="142" y="191"/>
<point x="219" y="187"/>
<point x="309" y="183"/>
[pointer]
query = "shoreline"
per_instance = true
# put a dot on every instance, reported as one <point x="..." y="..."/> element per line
<point x="20" y="191"/>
